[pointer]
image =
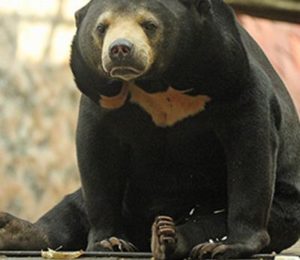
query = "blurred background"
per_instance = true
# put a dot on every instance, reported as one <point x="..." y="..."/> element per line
<point x="38" y="105"/>
<point x="39" y="100"/>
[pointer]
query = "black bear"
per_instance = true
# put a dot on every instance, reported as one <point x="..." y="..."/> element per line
<point x="184" y="127"/>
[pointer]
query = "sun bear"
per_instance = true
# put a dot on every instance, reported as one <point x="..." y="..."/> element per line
<point x="188" y="143"/>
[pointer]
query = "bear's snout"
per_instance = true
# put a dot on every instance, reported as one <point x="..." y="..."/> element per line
<point x="120" y="49"/>
<point x="125" y="59"/>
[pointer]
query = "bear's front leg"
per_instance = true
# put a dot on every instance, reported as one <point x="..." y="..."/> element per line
<point x="248" y="134"/>
<point x="103" y="168"/>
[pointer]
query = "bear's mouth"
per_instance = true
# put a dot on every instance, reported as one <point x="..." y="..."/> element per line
<point x="125" y="73"/>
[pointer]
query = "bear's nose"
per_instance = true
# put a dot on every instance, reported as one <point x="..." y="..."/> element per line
<point x="120" y="48"/>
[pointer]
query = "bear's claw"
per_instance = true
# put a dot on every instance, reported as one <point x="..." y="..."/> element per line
<point x="164" y="239"/>
<point x="204" y="250"/>
<point x="117" y="245"/>
<point x="220" y="251"/>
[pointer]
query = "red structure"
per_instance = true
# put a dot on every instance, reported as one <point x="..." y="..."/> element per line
<point x="281" y="43"/>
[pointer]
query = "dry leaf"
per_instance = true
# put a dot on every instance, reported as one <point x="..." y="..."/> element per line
<point x="52" y="254"/>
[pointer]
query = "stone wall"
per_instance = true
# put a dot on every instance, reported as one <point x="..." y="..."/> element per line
<point x="39" y="101"/>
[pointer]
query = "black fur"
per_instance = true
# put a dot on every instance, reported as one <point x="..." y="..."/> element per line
<point x="241" y="154"/>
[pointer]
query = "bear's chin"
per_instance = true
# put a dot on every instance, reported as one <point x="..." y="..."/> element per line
<point x="125" y="73"/>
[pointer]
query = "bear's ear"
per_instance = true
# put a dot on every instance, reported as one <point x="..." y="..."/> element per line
<point x="80" y="14"/>
<point x="200" y="5"/>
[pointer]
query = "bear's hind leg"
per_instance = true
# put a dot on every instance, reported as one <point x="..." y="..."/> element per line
<point x="63" y="226"/>
<point x="19" y="234"/>
<point x="66" y="225"/>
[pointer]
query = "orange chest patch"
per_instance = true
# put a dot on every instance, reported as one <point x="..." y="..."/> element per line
<point x="165" y="108"/>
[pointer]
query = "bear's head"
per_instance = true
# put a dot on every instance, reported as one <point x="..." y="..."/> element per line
<point x="156" y="41"/>
<point x="121" y="40"/>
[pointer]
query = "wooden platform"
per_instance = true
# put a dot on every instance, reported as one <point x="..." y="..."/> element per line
<point x="36" y="255"/>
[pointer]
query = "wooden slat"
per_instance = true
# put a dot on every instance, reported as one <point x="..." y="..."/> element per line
<point x="137" y="255"/>
<point x="283" y="10"/>
<point x="36" y="255"/>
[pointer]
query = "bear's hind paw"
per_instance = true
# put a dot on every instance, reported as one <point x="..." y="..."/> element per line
<point x="18" y="234"/>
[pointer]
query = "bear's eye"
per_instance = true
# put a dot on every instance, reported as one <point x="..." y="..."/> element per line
<point x="101" y="28"/>
<point x="149" y="26"/>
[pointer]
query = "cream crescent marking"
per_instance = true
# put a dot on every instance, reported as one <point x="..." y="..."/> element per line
<point x="114" y="102"/>
<point x="165" y="108"/>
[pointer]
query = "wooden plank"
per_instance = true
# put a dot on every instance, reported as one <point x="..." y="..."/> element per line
<point x="126" y="255"/>
<point x="36" y="255"/>
<point x="283" y="10"/>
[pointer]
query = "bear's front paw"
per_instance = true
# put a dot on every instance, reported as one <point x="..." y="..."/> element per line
<point x="164" y="239"/>
<point x="113" y="244"/>
<point x="232" y="249"/>
<point x="18" y="234"/>
<point x="221" y="251"/>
